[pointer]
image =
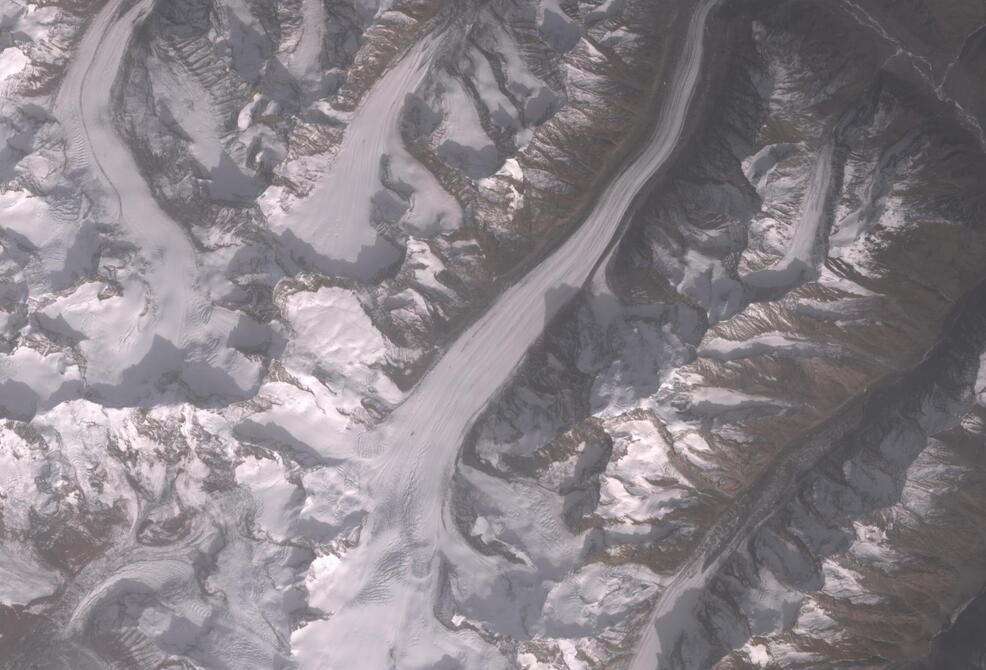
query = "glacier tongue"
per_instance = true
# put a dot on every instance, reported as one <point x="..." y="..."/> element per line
<point x="536" y="333"/>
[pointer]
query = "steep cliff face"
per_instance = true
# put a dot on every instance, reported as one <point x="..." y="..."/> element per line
<point x="550" y="334"/>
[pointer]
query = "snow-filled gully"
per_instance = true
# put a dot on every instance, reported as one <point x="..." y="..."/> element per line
<point x="382" y="604"/>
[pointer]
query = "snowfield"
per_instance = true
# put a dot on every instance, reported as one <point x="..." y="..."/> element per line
<point x="533" y="334"/>
<point x="331" y="228"/>
<point x="392" y="574"/>
<point x="164" y="321"/>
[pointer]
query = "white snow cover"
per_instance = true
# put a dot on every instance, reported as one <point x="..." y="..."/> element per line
<point x="466" y="146"/>
<point x="163" y="322"/>
<point x="22" y="580"/>
<point x="367" y="512"/>
<point x="336" y="234"/>
<point x="334" y="335"/>
<point x="640" y="456"/>
<point x="595" y="596"/>
<point x="390" y="575"/>
<point x="12" y="61"/>
<point x="276" y="498"/>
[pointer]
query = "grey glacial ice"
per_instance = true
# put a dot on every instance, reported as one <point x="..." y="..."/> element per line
<point x="498" y="334"/>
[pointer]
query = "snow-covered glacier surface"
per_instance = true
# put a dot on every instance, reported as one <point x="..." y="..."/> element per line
<point x="538" y="334"/>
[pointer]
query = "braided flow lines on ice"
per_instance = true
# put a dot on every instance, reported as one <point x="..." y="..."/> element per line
<point x="383" y="592"/>
<point x="163" y="321"/>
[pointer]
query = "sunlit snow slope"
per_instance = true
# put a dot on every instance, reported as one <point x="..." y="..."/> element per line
<point x="532" y="334"/>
